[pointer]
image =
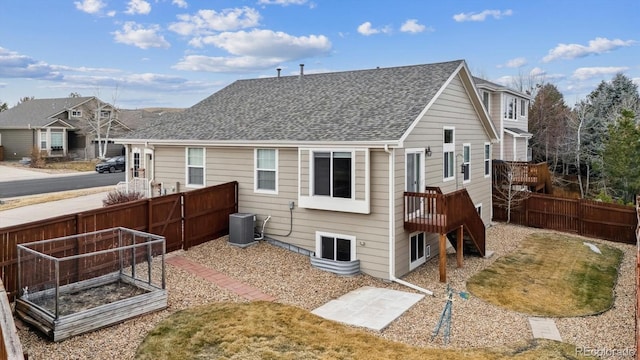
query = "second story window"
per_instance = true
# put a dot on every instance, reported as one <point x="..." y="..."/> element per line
<point x="76" y="113"/>
<point x="448" y="148"/>
<point x="523" y="108"/>
<point x="195" y="166"/>
<point x="511" y="108"/>
<point x="466" y="162"/>
<point x="486" y="100"/>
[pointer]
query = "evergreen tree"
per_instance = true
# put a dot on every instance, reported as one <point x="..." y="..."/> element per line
<point x="622" y="157"/>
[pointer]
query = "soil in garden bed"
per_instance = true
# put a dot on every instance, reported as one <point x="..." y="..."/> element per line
<point x="73" y="302"/>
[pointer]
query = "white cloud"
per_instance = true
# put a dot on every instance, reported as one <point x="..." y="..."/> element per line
<point x="138" y="7"/>
<point x="536" y="71"/>
<point x="90" y="6"/>
<point x="596" y="46"/>
<point x="137" y="35"/>
<point x="514" y="63"/>
<point x="180" y="3"/>
<point x="282" y="2"/>
<point x="412" y="26"/>
<point x="482" y="16"/>
<point x="366" y="29"/>
<point x="226" y="64"/>
<point x="586" y="73"/>
<point x="269" y="44"/>
<point x="14" y="65"/>
<point x="207" y="21"/>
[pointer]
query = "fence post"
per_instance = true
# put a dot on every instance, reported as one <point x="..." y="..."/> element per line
<point x="580" y="219"/>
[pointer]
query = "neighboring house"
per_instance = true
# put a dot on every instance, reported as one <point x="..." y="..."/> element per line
<point x="58" y="128"/>
<point x="509" y="111"/>
<point x="352" y="166"/>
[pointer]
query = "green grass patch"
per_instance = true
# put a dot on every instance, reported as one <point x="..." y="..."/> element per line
<point x="264" y="330"/>
<point x="551" y="275"/>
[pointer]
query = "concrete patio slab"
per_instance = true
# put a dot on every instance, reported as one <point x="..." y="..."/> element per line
<point x="544" y="328"/>
<point x="370" y="307"/>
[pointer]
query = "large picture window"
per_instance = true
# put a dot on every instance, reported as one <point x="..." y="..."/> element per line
<point x="448" y="146"/>
<point x="195" y="166"/>
<point x="266" y="170"/>
<point x="332" y="174"/>
<point x="511" y="108"/>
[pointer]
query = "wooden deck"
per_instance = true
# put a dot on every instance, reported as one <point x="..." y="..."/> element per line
<point x="435" y="212"/>
<point x="536" y="177"/>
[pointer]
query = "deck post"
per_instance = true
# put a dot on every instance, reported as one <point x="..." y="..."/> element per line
<point x="443" y="257"/>
<point x="459" y="247"/>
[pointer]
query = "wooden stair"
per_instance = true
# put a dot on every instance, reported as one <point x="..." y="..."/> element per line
<point x="435" y="212"/>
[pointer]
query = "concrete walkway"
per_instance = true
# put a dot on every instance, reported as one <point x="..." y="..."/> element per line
<point x="246" y="291"/>
<point x="544" y="328"/>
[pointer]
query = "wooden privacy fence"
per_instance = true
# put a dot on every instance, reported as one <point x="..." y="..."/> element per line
<point x="184" y="219"/>
<point x="583" y="217"/>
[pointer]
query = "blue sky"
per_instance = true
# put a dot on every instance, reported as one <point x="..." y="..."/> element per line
<point x="174" y="53"/>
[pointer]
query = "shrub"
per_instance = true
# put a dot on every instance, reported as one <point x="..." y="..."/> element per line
<point x="120" y="197"/>
<point x="38" y="160"/>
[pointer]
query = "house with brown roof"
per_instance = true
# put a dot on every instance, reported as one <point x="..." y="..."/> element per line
<point x="371" y="170"/>
<point x="60" y="127"/>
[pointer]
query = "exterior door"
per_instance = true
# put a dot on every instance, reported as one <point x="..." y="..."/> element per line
<point x="414" y="179"/>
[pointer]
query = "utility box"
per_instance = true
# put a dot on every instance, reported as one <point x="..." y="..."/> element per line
<point x="241" y="227"/>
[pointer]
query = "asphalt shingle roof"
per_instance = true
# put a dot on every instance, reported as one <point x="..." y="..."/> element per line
<point x="37" y="112"/>
<point x="362" y="105"/>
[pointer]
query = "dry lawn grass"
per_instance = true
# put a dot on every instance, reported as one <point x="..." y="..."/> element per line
<point x="264" y="330"/>
<point x="551" y="275"/>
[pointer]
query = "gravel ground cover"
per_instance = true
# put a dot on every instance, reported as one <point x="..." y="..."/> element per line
<point x="290" y="278"/>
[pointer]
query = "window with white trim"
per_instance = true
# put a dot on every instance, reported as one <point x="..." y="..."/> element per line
<point x="487" y="159"/>
<point x="448" y="148"/>
<point x="136" y="164"/>
<point x="479" y="209"/>
<point x="419" y="251"/>
<point x="57" y="139"/>
<point x="335" y="247"/>
<point x="332" y="174"/>
<point x="105" y="113"/>
<point x="486" y="100"/>
<point x="511" y="108"/>
<point x="76" y="113"/>
<point x="43" y="139"/>
<point x="523" y="107"/>
<point x="466" y="162"/>
<point x="266" y="174"/>
<point x="195" y="166"/>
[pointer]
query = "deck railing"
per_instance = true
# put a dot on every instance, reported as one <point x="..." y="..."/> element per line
<point x="535" y="176"/>
<point x="435" y="212"/>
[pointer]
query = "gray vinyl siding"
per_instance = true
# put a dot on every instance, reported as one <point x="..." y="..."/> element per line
<point x="452" y="108"/>
<point x="237" y="164"/>
<point x="17" y="143"/>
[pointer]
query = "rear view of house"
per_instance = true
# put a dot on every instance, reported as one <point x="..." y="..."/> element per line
<point x="367" y="170"/>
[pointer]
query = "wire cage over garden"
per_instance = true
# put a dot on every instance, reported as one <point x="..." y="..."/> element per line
<point x="79" y="283"/>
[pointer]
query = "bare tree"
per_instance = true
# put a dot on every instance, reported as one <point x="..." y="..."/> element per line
<point x="508" y="191"/>
<point x="102" y="122"/>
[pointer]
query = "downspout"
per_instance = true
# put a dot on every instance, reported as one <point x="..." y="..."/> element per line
<point x="392" y="236"/>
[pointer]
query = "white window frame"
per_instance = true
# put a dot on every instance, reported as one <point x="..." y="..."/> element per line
<point x="487" y="105"/>
<point x="427" y="250"/>
<point x="523" y="109"/>
<point x="323" y="202"/>
<point x="510" y="99"/>
<point x="420" y="152"/>
<point x="51" y="135"/>
<point x="487" y="159"/>
<point x="105" y="113"/>
<point x="258" y="170"/>
<point x="466" y="162"/>
<point x="187" y="166"/>
<point x="43" y="138"/>
<point x="479" y="210"/>
<point x="331" y="173"/>
<point x="75" y="113"/>
<point x="352" y="243"/>
<point x="449" y="148"/>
